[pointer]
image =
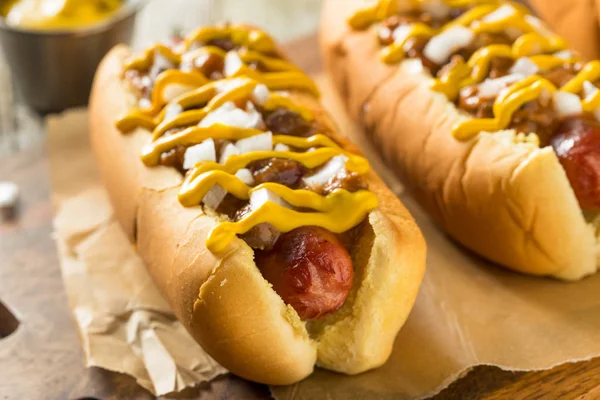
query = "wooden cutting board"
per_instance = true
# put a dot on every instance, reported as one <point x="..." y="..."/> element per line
<point x="42" y="357"/>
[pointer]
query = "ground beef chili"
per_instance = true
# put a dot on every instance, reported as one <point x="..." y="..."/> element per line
<point x="279" y="170"/>
<point x="174" y="158"/>
<point x="470" y="101"/>
<point x="350" y="181"/>
<point x="410" y="17"/>
<point x="231" y="205"/>
<point x="536" y="116"/>
<point x="225" y="44"/>
<point x="140" y="83"/>
<point x="500" y="66"/>
<point x="258" y="66"/>
<point x="563" y="74"/>
<point x="414" y="46"/>
<point x="210" y="65"/>
<point x="286" y="122"/>
<point x="262" y="236"/>
<point x="414" y="49"/>
<point x="280" y="121"/>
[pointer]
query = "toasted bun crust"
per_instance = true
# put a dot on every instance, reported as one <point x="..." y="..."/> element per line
<point x="224" y="302"/>
<point x="507" y="201"/>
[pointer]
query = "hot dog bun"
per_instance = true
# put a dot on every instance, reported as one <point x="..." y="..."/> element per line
<point x="577" y="20"/>
<point x="224" y="302"/>
<point x="507" y="200"/>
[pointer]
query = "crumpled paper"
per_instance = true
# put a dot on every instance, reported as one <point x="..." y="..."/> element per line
<point x="125" y="324"/>
<point x="468" y="312"/>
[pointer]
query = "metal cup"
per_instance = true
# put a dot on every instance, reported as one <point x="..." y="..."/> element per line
<point x="53" y="70"/>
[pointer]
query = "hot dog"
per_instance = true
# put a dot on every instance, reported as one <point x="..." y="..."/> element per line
<point x="310" y="269"/>
<point x="576" y="142"/>
<point x="275" y="244"/>
<point x="486" y="114"/>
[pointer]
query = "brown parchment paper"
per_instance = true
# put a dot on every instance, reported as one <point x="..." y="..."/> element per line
<point x="125" y="324"/>
<point x="468" y="312"/>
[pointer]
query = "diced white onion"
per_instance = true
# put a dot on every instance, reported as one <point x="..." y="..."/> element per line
<point x="196" y="44"/>
<point x="589" y="89"/>
<point x="281" y="147"/>
<point x="9" y="194"/>
<point x="190" y="57"/>
<point x="146" y="81"/>
<point x="229" y="84"/>
<point x="512" y="32"/>
<point x="174" y="90"/>
<point x="260" y="94"/>
<point x="261" y="196"/>
<point x="186" y="67"/>
<point x="490" y="88"/>
<point x="159" y="64"/>
<point x="564" y="54"/>
<point x="566" y="104"/>
<point x="228" y="150"/>
<point x="171" y="111"/>
<point x="412" y="66"/>
<point x="260" y="142"/>
<point x="440" y="47"/>
<point x="437" y="9"/>
<point x="245" y="176"/>
<point x="214" y="197"/>
<point x="500" y="13"/>
<point x="538" y="25"/>
<point x="229" y="114"/>
<point x="204" y="151"/>
<point x="524" y="66"/>
<point x="145" y="103"/>
<point x="328" y="171"/>
<point x="233" y="63"/>
<point x="401" y="33"/>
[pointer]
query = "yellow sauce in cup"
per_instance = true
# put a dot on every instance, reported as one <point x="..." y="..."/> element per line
<point x="57" y="14"/>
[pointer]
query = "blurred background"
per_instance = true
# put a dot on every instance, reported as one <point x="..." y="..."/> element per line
<point x="286" y="20"/>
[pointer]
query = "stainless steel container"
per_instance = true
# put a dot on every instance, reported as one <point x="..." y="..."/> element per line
<point x="53" y="70"/>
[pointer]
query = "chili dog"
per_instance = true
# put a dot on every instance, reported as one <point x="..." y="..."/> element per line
<point x="486" y="114"/>
<point x="272" y="239"/>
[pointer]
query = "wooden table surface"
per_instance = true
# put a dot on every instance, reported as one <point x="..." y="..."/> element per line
<point x="43" y="359"/>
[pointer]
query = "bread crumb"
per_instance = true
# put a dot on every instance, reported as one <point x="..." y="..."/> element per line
<point x="223" y="282"/>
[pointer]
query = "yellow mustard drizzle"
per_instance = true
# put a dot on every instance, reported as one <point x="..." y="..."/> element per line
<point x="525" y="91"/>
<point x="505" y="105"/>
<point x="250" y="38"/>
<point x="285" y="75"/>
<point x="338" y="212"/>
<point x="384" y="9"/>
<point x="477" y="68"/>
<point x="195" y="98"/>
<point x="196" y="186"/>
<point x="531" y="44"/>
